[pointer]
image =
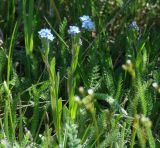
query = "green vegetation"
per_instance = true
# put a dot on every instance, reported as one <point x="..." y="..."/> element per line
<point x="59" y="92"/>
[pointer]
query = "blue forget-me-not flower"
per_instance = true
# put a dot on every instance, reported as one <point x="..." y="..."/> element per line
<point x="134" y="25"/>
<point x="46" y="34"/>
<point x="87" y="23"/>
<point x="85" y="18"/>
<point x="73" y="30"/>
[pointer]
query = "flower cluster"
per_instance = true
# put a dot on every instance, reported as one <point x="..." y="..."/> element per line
<point x="87" y="23"/>
<point x="134" y="25"/>
<point x="73" y="30"/>
<point x="84" y="18"/>
<point x="46" y="34"/>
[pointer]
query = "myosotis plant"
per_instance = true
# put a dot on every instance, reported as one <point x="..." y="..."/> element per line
<point x="47" y="37"/>
<point x="44" y="100"/>
<point x="75" y="37"/>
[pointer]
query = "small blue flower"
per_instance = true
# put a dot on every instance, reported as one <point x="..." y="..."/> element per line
<point x="73" y="30"/>
<point x="46" y="34"/>
<point x="134" y="25"/>
<point x="89" y="25"/>
<point x="84" y="18"/>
